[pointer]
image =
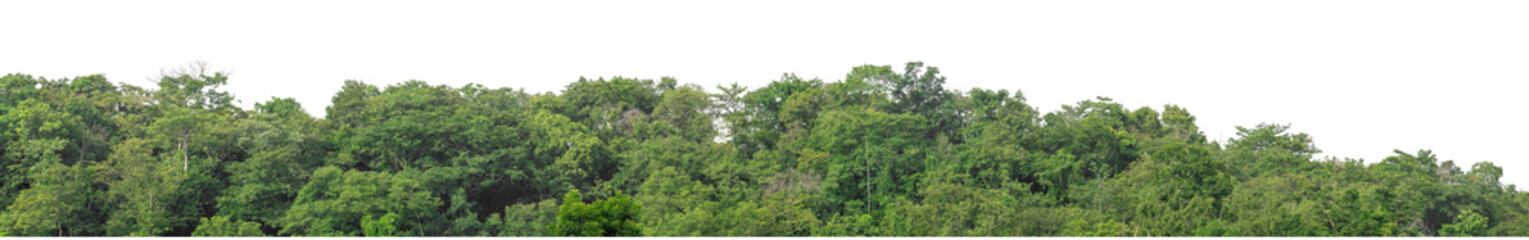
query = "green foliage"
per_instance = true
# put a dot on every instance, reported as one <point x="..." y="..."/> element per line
<point x="842" y="225"/>
<point x="601" y="105"/>
<point x="880" y="152"/>
<point x="693" y="159"/>
<point x="334" y="203"/>
<point x="764" y="127"/>
<point x="615" y="216"/>
<point x="380" y="227"/>
<point x="15" y="88"/>
<point x="869" y="164"/>
<point x="223" y="227"/>
<point x="38" y="136"/>
<point x="729" y="108"/>
<point x="142" y="187"/>
<point x="685" y="109"/>
<point x="61" y="202"/>
<point x="1082" y="142"/>
<point x="281" y="151"/>
<point x="281" y="107"/>
<point x="1267" y="150"/>
<point x="523" y="219"/>
<point x="676" y="205"/>
<point x="918" y="90"/>
<point x="949" y="209"/>
<point x="1468" y="223"/>
<point x="193" y="87"/>
<point x="349" y="106"/>
<point x="1082" y="228"/>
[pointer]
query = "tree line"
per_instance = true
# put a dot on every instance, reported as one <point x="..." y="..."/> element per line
<point x="882" y="152"/>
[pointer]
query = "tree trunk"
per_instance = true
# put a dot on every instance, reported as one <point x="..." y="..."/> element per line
<point x="185" y="158"/>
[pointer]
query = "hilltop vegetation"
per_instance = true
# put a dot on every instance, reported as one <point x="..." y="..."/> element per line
<point x="882" y="152"/>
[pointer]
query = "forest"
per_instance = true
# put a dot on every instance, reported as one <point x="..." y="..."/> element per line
<point x="885" y="151"/>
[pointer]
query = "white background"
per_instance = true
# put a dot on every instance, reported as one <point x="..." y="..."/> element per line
<point x="1362" y="77"/>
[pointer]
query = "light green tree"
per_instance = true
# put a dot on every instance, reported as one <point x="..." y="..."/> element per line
<point x="223" y="227"/>
<point x="615" y="216"/>
<point x="1468" y="223"/>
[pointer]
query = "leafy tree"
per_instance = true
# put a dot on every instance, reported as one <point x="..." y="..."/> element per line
<point x="918" y="90"/>
<point x="1268" y="149"/>
<point x="729" y="108"/>
<point x="192" y="86"/>
<point x="38" y="134"/>
<point x="334" y="202"/>
<point x="15" y="88"/>
<point x="1082" y="228"/>
<point x="223" y="227"/>
<point x="1413" y="179"/>
<point x="1082" y="142"/>
<point x="869" y="164"/>
<point x="142" y="187"/>
<point x="601" y="104"/>
<point x="616" y="216"/>
<point x="264" y="185"/>
<point x="764" y="106"/>
<point x="1177" y="192"/>
<point x="675" y="205"/>
<point x="281" y="107"/>
<point x="689" y="158"/>
<point x="992" y="154"/>
<point x="180" y="126"/>
<point x="685" y="108"/>
<point x="1179" y="123"/>
<point x="380" y="227"/>
<point x="1276" y="206"/>
<point x="842" y="225"/>
<point x="953" y="210"/>
<point x="523" y="219"/>
<point x="568" y="155"/>
<point x="61" y="202"/>
<point x="1468" y="223"/>
<point x="349" y="106"/>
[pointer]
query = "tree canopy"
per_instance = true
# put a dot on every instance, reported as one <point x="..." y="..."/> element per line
<point x="884" y="151"/>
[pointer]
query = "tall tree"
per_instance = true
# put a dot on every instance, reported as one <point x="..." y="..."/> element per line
<point x="142" y="186"/>
<point x="194" y="85"/>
